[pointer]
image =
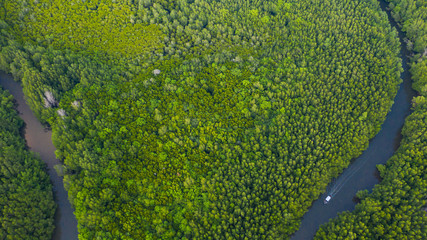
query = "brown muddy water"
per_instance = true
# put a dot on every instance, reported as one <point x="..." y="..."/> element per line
<point x="39" y="140"/>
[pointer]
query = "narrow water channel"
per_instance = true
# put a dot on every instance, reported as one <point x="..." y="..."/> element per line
<point x="361" y="174"/>
<point x="39" y="140"/>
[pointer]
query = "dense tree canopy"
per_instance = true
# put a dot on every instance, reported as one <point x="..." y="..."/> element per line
<point x="101" y="26"/>
<point x="396" y="207"/>
<point x="412" y="15"/>
<point x="226" y="120"/>
<point x="26" y="199"/>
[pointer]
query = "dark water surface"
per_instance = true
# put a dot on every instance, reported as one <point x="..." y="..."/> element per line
<point x="361" y="174"/>
<point x="358" y="176"/>
<point x="39" y="140"/>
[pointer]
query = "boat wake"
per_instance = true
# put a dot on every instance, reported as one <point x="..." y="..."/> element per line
<point x="340" y="182"/>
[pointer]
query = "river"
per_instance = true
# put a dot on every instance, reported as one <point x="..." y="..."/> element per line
<point x="39" y="140"/>
<point x="362" y="173"/>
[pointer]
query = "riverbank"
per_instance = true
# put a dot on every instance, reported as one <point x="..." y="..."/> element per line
<point x="39" y="140"/>
<point x="362" y="173"/>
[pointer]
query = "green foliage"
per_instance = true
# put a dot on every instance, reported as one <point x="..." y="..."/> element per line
<point x="230" y="129"/>
<point x="411" y="14"/>
<point x="396" y="207"/>
<point x="362" y="194"/>
<point x="97" y="26"/>
<point x="26" y="199"/>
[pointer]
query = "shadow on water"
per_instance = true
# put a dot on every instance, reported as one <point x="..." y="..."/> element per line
<point x="362" y="173"/>
<point x="38" y="140"/>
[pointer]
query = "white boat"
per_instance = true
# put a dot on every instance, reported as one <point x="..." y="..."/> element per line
<point x="327" y="199"/>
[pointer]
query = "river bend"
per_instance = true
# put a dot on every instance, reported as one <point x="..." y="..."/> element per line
<point x="39" y="140"/>
<point x="362" y="173"/>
